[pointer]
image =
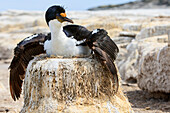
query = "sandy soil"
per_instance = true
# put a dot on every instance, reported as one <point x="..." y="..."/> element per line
<point x="142" y="102"/>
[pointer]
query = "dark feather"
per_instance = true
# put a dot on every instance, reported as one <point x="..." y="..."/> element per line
<point x="23" y="53"/>
<point x="100" y="39"/>
<point x="106" y="59"/>
<point x="102" y="45"/>
<point x="104" y="42"/>
<point x="79" y="32"/>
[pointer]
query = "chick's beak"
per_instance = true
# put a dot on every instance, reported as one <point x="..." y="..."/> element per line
<point x="62" y="18"/>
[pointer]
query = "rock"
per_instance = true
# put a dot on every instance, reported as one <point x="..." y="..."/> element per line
<point x="136" y="50"/>
<point x="120" y="40"/>
<point x="162" y="39"/>
<point x="147" y="108"/>
<point x="127" y="34"/>
<point x="153" y="31"/>
<point x="148" y="39"/>
<point x="127" y="67"/>
<point x="132" y="27"/>
<point x="154" y="72"/>
<point x="121" y="55"/>
<point x="123" y="45"/>
<point x="70" y="85"/>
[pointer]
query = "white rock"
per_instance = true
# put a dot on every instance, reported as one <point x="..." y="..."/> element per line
<point x="70" y="85"/>
<point x="153" y="31"/>
<point x="127" y="34"/>
<point x="132" y="27"/>
<point x="127" y="67"/>
<point x="154" y="71"/>
<point x="136" y="50"/>
<point x="120" y="40"/>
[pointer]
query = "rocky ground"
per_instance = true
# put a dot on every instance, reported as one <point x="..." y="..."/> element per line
<point x="134" y="31"/>
<point x="141" y="101"/>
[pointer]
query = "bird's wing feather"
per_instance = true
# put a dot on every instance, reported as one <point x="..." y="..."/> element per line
<point x="78" y="32"/>
<point x="107" y="51"/>
<point x="102" y="45"/>
<point x="100" y="37"/>
<point x="23" y="53"/>
<point x="103" y="41"/>
<point x="107" y="60"/>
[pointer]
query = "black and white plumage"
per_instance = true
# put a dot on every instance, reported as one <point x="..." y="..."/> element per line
<point x="58" y="43"/>
<point x="100" y="43"/>
<point x="23" y="53"/>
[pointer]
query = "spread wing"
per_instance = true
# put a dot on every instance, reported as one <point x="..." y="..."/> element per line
<point x="98" y="37"/>
<point x="107" y="51"/>
<point x="78" y="32"/>
<point x="23" y="53"/>
<point x="104" y="42"/>
<point x="107" y="60"/>
<point x="100" y="43"/>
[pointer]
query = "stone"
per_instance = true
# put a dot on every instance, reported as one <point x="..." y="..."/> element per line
<point x="162" y="39"/>
<point x="70" y="85"/>
<point x="120" y="40"/>
<point x="127" y="34"/>
<point x="132" y="27"/>
<point x="127" y="67"/>
<point x="136" y="50"/>
<point x="153" y="31"/>
<point x="154" y="71"/>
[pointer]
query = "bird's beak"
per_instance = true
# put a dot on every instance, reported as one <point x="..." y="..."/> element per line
<point x="62" y="18"/>
<point x="68" y="20"/>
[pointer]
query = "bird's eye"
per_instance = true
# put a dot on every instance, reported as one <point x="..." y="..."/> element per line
<point x="63" y="14"/>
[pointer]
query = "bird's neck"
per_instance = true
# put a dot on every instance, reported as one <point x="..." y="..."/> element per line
<point x="56" y="29"/>
<point x="57" y="43"/>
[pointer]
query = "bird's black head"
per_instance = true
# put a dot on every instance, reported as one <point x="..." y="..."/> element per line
<point x="56" y="12"/>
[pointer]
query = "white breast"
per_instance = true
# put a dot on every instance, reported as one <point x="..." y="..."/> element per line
<point x="61" y="45"/>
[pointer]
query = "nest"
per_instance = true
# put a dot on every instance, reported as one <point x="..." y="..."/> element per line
<point x="71" y="85"/>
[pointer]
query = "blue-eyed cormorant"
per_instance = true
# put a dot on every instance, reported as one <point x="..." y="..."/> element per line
<point x="59" y="43"/>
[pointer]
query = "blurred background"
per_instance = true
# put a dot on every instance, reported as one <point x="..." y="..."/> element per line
<point x="139" y="27"/>
<point x="44" y="4"/>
